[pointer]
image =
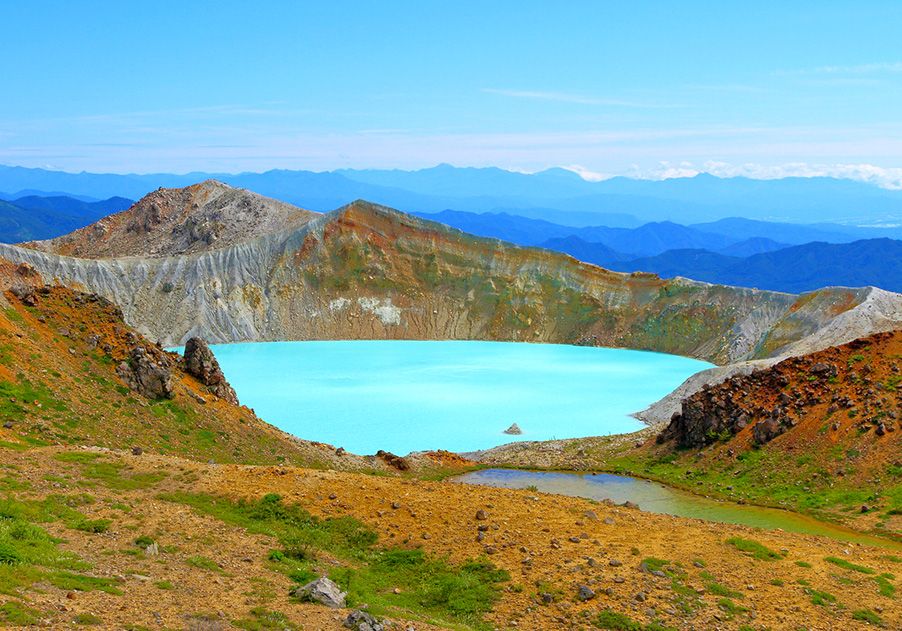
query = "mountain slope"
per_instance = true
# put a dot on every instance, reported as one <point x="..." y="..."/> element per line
<point x="794" y="269"/>
<point x="61" y="383"/>
<point x="180" y="221"/>
<point x="366" y="271"/>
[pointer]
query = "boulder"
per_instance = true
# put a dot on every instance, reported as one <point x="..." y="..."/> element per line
<point x="585" y="593"/>
<point x="322" y="591"/>
<point x="148" y="373"/>
<point x="766" y="431"/>
<point x="823" y="369"/>
<point x="25" y="293"/>
<point x="201" y="363"/>
<point x="392" y="460"/>
<point x="514" y="430"/>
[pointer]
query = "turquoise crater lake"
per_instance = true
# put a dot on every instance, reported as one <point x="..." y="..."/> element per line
<point x="404" y="396"/>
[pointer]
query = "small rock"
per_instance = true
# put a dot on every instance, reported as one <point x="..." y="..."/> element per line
<point x="615" y="563"/>
<point x="137" y="451"/>
<point x="641" y="597"/>
<point x="323" y="591"/>
<point x="585" y="593"/>
<point x="481" y="515"/>
<point x="362" y="621"/>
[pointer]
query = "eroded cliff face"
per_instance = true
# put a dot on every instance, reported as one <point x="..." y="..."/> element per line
<point x="369" y="272"/>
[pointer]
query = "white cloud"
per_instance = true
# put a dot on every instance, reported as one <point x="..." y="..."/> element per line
<point x="587" y="174"/>
<point x="884" y="177"/>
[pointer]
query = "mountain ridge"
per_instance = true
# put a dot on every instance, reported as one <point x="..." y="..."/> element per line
<point x="692" y="199"/>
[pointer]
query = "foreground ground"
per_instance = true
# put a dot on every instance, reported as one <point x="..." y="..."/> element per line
<point x="218" y="563"/>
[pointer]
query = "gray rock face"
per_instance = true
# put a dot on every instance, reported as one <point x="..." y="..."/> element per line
<point x="322" y="591"/>
<point x="147" y="373"/>
<point x="201" y="363"/>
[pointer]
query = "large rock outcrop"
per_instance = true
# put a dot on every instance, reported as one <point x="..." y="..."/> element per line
<point x="148" y="371"/>
<point x="853" y="386"/>
<point x="201" y="363"/>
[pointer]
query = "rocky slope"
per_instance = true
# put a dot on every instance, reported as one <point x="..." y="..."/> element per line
<point x="818" y="433"/>
<point x="153" y="541"/>
<point x="170" y="222"/>
<point x="366" y="271"/>
<point x="72" y="372"/>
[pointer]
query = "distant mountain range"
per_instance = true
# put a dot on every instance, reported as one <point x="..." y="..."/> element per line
<point x="731" y="251"/>
<point x="33" y="217"/>
<point x="556" y="195"/>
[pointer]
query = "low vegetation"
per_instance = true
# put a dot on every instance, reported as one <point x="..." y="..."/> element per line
<point x="427" y="585"/>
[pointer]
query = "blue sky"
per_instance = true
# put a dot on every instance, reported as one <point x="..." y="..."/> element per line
<point x="641" y="88"/>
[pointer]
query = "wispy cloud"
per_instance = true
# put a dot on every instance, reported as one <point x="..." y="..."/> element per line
<point x="884" y="177"/>
<point x="578" y="99"/>
<point x="876" y="68"/>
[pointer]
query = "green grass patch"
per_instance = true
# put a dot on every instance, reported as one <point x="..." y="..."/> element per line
<point x="15" y="614"/>
<point x="718" y="589"/>
<point x="755" y="549"/>
<point x="93" y="525"/>
<point x="429" y="586"/>
<point x="652" y="564"/>
<point x="204" y="563"/>
<point x="819" y="598"/>
<point x="730" y="607"/>
<point x="847" y="565"/>
<point x="885" y="586"/>
<point x="866" y="615"/>
<point x="87" y="619"/>
<point x="262" y="619"/>
<point x="616" y="621"/>
<point x="113" y="475"/>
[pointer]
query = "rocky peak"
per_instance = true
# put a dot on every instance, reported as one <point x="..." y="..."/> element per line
<point x="168" y="222"/>
<point x="200" y="362"/>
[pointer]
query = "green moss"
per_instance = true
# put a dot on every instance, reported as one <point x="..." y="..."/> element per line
<point x="848" y="565"/>
<point x="819" y="598"/>
<point x="204" y="563"/>
<point x="262" y="619"/>
<point x="866" y="615"/>
<point x="885" y="586"/>
<point x="16" y="614"/>
<point x="754" y="548"/>
<point x="87" y="619"/>
<point x="616" y="621"/>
